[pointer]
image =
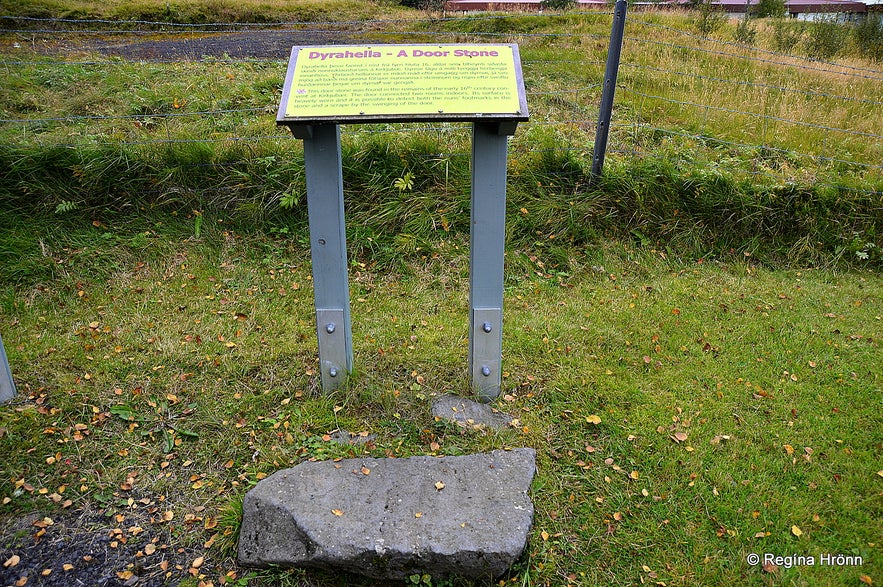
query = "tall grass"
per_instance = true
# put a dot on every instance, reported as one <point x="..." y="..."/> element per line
<point x="699" y="165"/>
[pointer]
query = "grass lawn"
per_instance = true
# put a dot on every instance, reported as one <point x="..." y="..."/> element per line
<point x="684" y="415"/>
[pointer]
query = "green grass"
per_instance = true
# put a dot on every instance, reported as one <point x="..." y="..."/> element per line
<point x="202" y="351"/>
<point x="697" y="165"/>
<point x="714" y="299"/>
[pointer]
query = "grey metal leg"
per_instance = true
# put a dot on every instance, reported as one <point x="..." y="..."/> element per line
<point x="322" y="162"/>
<point x="7" y="385"/>
<point x="487" y="243"/>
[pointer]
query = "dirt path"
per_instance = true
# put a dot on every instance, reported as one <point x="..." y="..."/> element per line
<point x="258" y="44"/>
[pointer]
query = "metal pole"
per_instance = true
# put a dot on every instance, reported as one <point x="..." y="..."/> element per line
<point x="322" y="162"/>
<point x="613" y="55"/>
<point x="7" y="385"/>
<point x="486" y="249"/>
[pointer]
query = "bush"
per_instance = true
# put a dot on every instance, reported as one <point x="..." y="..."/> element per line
<point x="709" y="18"/>
<point x="745" y="31"/>
<point x="786" y="34"/>
<point x="557" y="4"/>
<point x="768" y="9"/>
<point x="868" y="37"/>
<point x="826" y="37"/>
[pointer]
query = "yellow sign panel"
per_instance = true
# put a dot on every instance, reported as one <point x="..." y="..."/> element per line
<point x="399" y="81"/>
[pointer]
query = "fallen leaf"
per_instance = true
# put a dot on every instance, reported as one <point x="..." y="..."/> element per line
<point x="67" y="567"/>
<point x="337" y="512"/>
<point x="149" y="549"/>
<point x="634" y="475"/>
<point x="12" y="561"/>
<point x="866" y="579"/>
<point x="593" y="419"/>
<point x="439" y="485"/>
<point x="796" y="531"/>
<point x="545" y="535"/>
<point x="198" y="562"/>
<point x="365" y="470"/>
<point x="679" y="436"/>
<point x="789" y="449"/>
<point x="418" y="515"/>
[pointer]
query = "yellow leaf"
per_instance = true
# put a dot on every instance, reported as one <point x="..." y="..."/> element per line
<point x="593" y="419"/>
<point x="418" y="515"/>
<point x="337" y="512"/>
<point x="149" y="549"/>
<point x="634" y="475"/>
<point x="67" y="567"/>
<point x="880" y="473"/>
<point x="866" y="579"/>
<point x="12" y="561"/>
<point x="545" y="535"/>
<point x="796" y="531"/>
<point x="789" y="449"/>
<point x="439" y="485"/>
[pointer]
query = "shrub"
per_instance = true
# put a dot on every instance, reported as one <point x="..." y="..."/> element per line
<point x="768" y="9"/>
<point x="745" y="31"/>
<point x="868" y="37"/>
<point x="786" y="34"/>
<point x="557" y="4"/>
<point x="709" y="18"/>
<point x="826" y="37"/>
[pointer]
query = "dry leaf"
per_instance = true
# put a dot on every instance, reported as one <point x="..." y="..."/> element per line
<point x="418" y="515"/>
<point x="12" y="561"/>
<point x="866" y="579"/>
<point x="593" y="419"/>
<point x="365" y="470"/>
<point x="439" y="485"/>
<point x="337" y="512"/>
<point x="796" y="531"/>
<point x="198" y="562"/>
<point x="545" y="535"/>
<point x="679" y="436"/>
<point x="634" y="475"/>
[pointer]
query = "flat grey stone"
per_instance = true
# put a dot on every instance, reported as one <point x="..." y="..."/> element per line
<point x="343" y="436"/>
<point x="468" y="413"/>
<point x="466" y="516"/>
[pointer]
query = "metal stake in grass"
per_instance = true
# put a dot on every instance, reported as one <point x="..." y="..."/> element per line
<point x="7" y="385"/>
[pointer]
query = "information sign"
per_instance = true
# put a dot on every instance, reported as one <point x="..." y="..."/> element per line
<point x="349" y="83"/>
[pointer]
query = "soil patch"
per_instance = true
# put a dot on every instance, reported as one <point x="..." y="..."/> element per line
<point x="89" y="548"/>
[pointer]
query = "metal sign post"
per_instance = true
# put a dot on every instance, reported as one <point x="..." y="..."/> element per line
<point x="7" y="385"/>
<point x="328" y="86"/>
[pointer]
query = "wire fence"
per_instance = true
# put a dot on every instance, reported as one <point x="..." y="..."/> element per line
<point x="674" y="94"/>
